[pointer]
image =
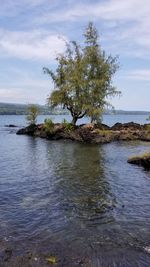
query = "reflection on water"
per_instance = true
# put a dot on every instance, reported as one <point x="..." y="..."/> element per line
<point x="77" y="201"/>
<point x="83" y="190"/>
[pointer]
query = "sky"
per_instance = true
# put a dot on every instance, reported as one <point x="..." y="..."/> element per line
<point x="34" y="32"/>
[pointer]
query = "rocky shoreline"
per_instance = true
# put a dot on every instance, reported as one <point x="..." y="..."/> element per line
<point x="141" y="160"/>
<point x="89" y="133"/>
<point x="60" y="256"/>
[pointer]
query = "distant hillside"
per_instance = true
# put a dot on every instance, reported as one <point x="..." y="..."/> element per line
<point x="21" y="109"/>
<point x="127" y="112"/>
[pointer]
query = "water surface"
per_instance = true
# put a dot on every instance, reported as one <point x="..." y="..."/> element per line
<point x="82" y="203"/>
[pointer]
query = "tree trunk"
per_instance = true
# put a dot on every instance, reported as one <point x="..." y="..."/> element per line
<point x="74" y="120"/>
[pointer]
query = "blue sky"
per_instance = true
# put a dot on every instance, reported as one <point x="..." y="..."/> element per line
<point x="33" y="32"/>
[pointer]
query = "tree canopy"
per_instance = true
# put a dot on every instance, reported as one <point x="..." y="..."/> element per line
<point x="83" y="78"/>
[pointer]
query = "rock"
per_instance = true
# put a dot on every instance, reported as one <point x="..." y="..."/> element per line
<point x="88" y="126"/>
<point x="126" y="126"/>
<point x="7" y="254"/>
<point x="90" y="133"/>
<point x="29" y="130"/>
<point x="102" y="126"/>
<point x="10" y="125"/>
<point x="142" y="160"/>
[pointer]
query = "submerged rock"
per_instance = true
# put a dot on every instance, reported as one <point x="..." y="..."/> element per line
<point x="11" y="125"/>
<point x="141" y="160"/>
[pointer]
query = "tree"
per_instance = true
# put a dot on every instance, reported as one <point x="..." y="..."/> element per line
<point x="32" y="113"/>
<point x="83" y="78"/>
<point x="148" y="119"/>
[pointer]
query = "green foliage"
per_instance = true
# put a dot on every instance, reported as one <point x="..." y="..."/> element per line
<point x="148" y="119"/>
<point x="83" y="78"/>
<point x="147" y="127"/>
<point x="103" y="132"/>
<point x="51" y="260"/>
<point x="32" y="113"/>
<point x="68" y="127"/>
<point x="48" y="126"/>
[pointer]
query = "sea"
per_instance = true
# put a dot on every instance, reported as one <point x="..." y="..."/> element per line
<point x="78" y="204"/>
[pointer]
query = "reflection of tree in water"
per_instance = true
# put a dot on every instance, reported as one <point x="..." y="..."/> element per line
<point x="84" y="190"/>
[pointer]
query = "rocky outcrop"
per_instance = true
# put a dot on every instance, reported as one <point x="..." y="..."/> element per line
<point x="125" y="126"/>
<point x="11" y="125"/>
<point x="90" y="133"/>
<point x="29" y="130"/>
<point x="142" y="160"/>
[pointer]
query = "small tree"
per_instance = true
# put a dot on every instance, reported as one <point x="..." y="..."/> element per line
<point x="83" y="78"/>
<point x="148" y="118"/>
<point x="32" y="113"/>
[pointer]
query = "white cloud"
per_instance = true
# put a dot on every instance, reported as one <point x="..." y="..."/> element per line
<point x="11" y="8"/>
<point x="13" y="95"/>
<point x="108" y="10"/>
<point x="126" y="23"/>
<point x="28" y="84"/>
<point x="35" y="92"/>
<point x="37" y="45"/>
<point x="139" y="75"/>
<point x="125" y="27"/>
<point x="16" y="95"/>
<point x="20" y="85"/>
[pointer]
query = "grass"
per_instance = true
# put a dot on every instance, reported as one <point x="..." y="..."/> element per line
<point x="68" y="127"/>
<point x="147" y="127"/>
<point x="102" y="132"/>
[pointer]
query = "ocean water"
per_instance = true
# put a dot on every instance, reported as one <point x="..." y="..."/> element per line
<point x="20" y="120"/>
<point x="83" y="204"/>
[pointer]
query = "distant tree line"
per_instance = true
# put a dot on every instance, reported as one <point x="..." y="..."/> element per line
<point x="21" y="109"/>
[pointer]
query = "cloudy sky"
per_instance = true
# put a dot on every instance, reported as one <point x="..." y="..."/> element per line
<point x="33" y="32"/>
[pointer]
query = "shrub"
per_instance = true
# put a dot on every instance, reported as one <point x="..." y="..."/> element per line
<point x="48" y="126"/>
<point x="148" y="119"/>
<point x="68" y="127"/>
<point x="32" y="113"/>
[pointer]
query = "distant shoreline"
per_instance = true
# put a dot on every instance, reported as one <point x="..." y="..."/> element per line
<point x="21" y="109"/>
<point x="57" y="114"/>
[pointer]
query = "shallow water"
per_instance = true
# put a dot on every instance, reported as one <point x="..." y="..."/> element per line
<point x="82" y="203"/>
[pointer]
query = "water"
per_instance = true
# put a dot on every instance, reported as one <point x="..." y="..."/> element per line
<point x="110" y="120"/>
<point x="82" y="203"/>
